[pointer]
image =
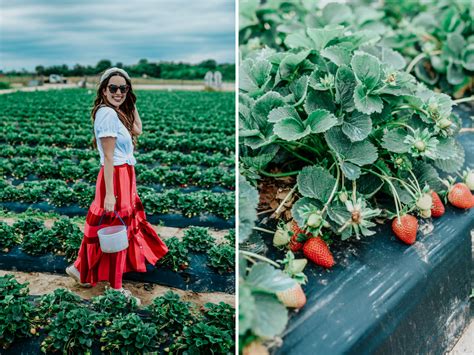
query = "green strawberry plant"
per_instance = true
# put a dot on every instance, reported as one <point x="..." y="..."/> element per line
<point x="113" y="304"/>
<point x="198" y="238"/>
<point x="129" y="334"/>
<point x="170" y="314"/>
<point x="71" y="331"/>
<point x="15" y="311"/>
<point x="8" y="238"/>
<point x="222" y="258"/>
<point x="177" y="257"/>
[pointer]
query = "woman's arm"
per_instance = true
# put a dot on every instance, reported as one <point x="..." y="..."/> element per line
<point x="108" y="145"/>
<point x="137" y="123"/>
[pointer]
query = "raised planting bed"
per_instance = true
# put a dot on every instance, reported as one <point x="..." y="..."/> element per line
<point x="61" y="321"/>
<point x="198" y="277"/>
<point x="384" y="298"/>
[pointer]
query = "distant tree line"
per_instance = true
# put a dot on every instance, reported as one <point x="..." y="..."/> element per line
<point x="162" y="70"/>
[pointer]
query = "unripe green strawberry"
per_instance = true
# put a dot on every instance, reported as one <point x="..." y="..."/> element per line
<point x="281" y="237"/>
<point x="297" y="265"/>
<point x="343" y="196"/>
<point x="314" y="220"/>
<point x="424" y="202"/>
<point x="420" y="146"/>
<point x="293" y="297"/>
<point x="469" y="179"/>
<point x="425" y="213"/>
<point x="444" y="123"/>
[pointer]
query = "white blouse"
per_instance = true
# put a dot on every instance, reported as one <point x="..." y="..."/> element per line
<point x="107" y="124"/>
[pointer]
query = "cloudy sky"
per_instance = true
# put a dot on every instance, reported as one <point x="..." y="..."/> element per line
<point x="50" y="32"/>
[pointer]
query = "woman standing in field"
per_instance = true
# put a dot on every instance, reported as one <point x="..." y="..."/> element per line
<point x="116" y="126"/>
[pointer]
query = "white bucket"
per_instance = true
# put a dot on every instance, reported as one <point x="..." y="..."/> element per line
<point x="113" y="239"/>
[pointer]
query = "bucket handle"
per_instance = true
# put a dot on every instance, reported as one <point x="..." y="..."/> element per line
<point x="121" y="220"/>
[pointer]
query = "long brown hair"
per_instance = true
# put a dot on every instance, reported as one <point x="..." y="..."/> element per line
<point x="127" y="108"/>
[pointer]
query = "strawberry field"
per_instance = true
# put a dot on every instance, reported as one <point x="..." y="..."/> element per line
<point x="185" y="179"/>
<point x="356" y="156"/>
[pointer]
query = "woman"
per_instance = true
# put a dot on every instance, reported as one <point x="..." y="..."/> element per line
<point x="116" y="126"/>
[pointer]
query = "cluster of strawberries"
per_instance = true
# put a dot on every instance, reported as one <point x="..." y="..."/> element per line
<point x="406" y="227"/>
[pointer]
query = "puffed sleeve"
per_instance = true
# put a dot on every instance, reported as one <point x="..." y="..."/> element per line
<point x="106" y="123"/>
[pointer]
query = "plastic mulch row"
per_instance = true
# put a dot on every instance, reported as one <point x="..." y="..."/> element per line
<point x="198" y="277"/>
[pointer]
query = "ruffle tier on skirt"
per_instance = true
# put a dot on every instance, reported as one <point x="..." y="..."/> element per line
<point x="144" y="242"/>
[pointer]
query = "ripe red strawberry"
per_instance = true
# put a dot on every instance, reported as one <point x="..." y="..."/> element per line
<point x="438" y="207"/>
<point x="406" y="229"/>
<point x="294" y="244"/>
<point x="294" y="297"/>
<point x="460" y="196"/>
<point x="316" y="250"/>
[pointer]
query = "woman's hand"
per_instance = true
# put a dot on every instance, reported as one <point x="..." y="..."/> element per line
<point x="109" y="203"/>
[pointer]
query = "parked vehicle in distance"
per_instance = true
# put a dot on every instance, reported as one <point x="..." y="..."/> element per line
<point x="56" y="79"/>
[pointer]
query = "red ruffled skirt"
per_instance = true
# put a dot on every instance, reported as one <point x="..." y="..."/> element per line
<point x="144" y="243"/>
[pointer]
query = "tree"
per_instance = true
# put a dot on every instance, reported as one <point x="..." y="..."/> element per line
<point x="103" y="65"/>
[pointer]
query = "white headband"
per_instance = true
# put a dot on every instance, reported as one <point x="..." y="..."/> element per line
<point x="113" y="70"/>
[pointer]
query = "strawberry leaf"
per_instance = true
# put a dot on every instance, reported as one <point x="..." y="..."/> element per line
<point x="315" y="182"/>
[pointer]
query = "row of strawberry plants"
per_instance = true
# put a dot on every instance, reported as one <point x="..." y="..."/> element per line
<point x="436" y="38"/>
<point x="221" y="257"/>
<point x="57" y="193"/>
<point x="64" y="238"/>
<point x="152" y="157"/>
<point x="87" y="170"/>
<point x="65" y="323"/>
<point x="162" y="111"/>
<point x="185" y="142"/>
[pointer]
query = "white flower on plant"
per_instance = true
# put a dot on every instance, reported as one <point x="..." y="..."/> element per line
<point x="469" y="179"/>
<point x="422" y="143"/>
<point x="359" y="222"/>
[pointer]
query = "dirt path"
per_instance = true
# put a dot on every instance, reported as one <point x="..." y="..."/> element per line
<point x="42" y="283"/>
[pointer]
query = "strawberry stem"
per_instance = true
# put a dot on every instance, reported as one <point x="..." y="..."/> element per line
<point x="285" y="199"/>
<point x="249" y="255"/>
<point x="465" y="99"/>
<point x="263" y="230"/>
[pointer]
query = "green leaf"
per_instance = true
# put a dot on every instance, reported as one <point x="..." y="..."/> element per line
<point x="298" y="40"/>
<point x="468" y="57"/>
<point x="337" y="54"/>
<point x="263" y="277"/>
<point x="357" y="126"/>
<point x="455" y="44"/>
<point x="291" y="129"/>
<point x="299" y="88"/>
<point x="367" y="69"/>
<point x="279" y="113"/>
<point x="264" y="105"/>
<point x="335" y="13"/>
<point x="247" y="308"/>
<point x="345" y="85"/>
<point x="320" y="121"/>
<point x="304" y="203"/>
<point x="318" y="100"/>
<point x="454" y="164"/>
<point x="248" y="202"/>
<point x="359" y="153"/>
<point x="315" y="182"/>
<point x="351" y="171"/>
<point x="290" y="63"/>
<point x="369" y="184"/>
<point x="446" y="148"/>
<point x="427" y="174"/>
<point x="270" y="316"/>
<point x="365" y="102"/>
<point x="322" y="36"/>
<point x="455" y="74"/>
<point x="254" y="75"/>
<point x="386" y="56"/>
<point x="394" y="141"/>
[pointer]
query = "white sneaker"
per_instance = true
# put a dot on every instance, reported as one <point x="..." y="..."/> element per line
<point x="129" y="295"/>
<point x="76" y="275"/>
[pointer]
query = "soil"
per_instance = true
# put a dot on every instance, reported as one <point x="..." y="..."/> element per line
<point x="42" y="283"/>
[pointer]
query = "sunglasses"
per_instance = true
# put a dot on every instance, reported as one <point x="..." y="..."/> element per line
<point x="123" y="88"/>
